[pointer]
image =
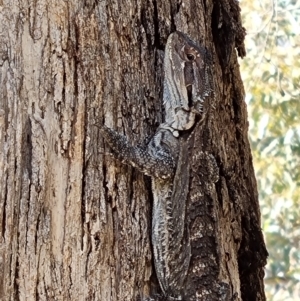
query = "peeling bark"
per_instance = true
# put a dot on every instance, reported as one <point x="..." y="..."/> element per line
<point x="75" y="222"/>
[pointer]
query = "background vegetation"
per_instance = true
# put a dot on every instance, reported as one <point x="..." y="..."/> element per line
<point x="271" y="74"/>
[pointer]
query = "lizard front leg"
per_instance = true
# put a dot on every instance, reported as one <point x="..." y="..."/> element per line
<point x="156" y="159"/>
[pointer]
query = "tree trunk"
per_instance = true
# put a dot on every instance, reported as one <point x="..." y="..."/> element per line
<point x="75" y="222"/>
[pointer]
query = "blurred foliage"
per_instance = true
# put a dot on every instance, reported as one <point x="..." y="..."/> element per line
<point x="271" y="75"/>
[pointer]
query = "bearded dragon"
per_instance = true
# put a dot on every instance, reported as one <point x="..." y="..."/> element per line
<point x="187" y="82"/>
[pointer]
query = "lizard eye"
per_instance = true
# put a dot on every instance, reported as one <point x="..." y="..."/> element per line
<point x="190" y="56"/>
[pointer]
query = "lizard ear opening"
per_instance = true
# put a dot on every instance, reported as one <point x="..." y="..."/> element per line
<point x="189" y="90"/>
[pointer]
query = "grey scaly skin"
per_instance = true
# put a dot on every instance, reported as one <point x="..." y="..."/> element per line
<point x="187" y="83"/>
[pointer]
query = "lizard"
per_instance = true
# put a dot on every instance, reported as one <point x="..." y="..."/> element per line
<point x="187" y="82"/>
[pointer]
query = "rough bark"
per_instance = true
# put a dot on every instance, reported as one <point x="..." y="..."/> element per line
<point x="74" y="221"/>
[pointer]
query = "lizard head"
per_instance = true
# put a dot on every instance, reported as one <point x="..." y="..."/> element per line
<point x="188" y="80"/>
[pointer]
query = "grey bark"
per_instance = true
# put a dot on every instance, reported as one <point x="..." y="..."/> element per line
<point x="75" y="222"/>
